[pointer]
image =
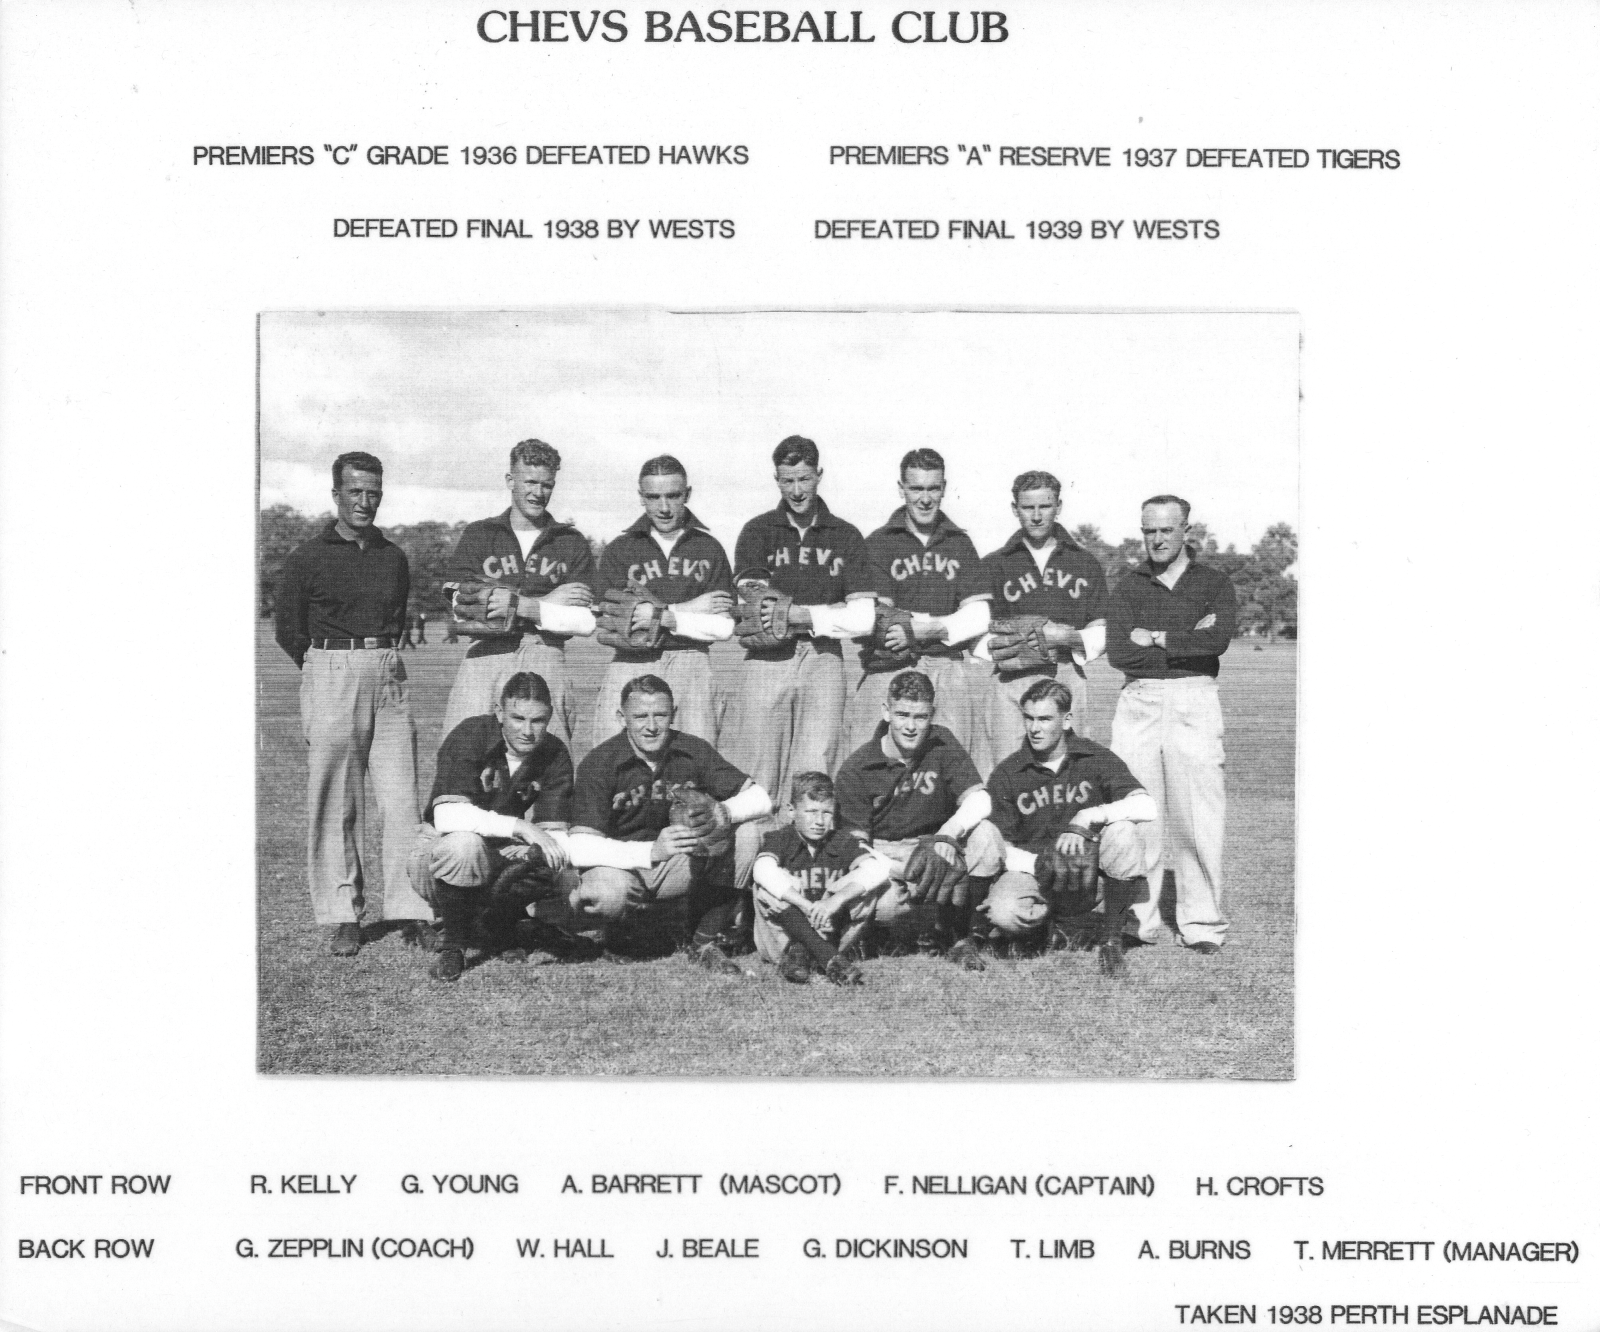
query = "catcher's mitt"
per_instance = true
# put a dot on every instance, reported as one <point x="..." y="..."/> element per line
<point x="763" y="611"/>
<point x="931" y="878"/>
<point x="470" y="605"/>
<point x="615" y="618"/>
<point x="1071" y="884"/>
<point x="875" y="654"/>
<point x="524" y="875"/>
<point x="702" y="814"/>
<point x="1017" y="644"/>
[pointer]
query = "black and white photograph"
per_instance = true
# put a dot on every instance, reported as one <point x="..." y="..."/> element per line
<point x="807" y="694"/>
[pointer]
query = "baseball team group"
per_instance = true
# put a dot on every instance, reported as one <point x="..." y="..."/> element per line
<point x="949" y="801"/>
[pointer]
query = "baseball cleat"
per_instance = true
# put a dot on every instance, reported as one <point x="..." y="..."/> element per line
<point x="346" y="941"/>
<point x="1111" y="960"/>
<point x="448" y="964"/>
<point x="842" y="972"/>
<point x="714" y="960"/>
<point x="968" y="956"/>
<point x="1205" y="949"/>
<point x="795" y="965"/>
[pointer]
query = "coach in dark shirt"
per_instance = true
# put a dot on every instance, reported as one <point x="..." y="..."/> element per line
<point x="341" y="607"/>
<point x="1170" y="621"/>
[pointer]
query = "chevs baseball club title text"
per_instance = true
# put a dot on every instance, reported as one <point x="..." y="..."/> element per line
<point x="909" y="27"/>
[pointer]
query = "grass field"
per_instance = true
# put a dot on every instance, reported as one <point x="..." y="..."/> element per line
<point x="1176" y="1015"/>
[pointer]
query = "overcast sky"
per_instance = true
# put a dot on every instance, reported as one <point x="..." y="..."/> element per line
<point x="1119" y="406"/>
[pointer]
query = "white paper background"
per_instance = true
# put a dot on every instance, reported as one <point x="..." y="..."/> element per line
<point x="1445" y="986"/>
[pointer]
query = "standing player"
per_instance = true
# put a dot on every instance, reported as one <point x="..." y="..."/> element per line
<point x="670" y="597"/>
<point x="1040" y="574"/>
<point x="806" y="875"/>
<point x="503" y="787"/>
<point x="787" y="712"/>
<point x="341" y="605"/>
<point x="531" y="579"/>
<point x="912" y="794"/>
<point x="932" y="598"/>
<point x="1171" y="620"/>
<point x="633" y="854"/>
<point x="1061" y="801"/>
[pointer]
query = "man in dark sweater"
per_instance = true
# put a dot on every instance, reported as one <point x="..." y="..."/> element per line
<point x="341" y="607"/>
<point x="1170" y="621"/>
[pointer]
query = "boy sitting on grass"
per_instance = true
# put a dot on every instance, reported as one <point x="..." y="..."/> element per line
<point x="807" y="876"/>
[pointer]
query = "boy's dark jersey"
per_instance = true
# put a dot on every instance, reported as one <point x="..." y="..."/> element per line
<point x="818" y="868"/>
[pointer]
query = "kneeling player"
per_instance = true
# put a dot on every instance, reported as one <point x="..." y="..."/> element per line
<point x="912" y="793"/>
<point x="1067" y="808"/>
<point x="659" y="818"/>
<point x="492" y="843"/>
<point x="807" y="875"/>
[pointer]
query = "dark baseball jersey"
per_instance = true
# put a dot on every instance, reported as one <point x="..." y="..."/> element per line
<point x="620" y="796"/>
<point x="889" y="799"/>
<point x="817" y="867"/>
<point x="1033" y="805"/>
<point x="697" y="565"/>
<point x="933" y="579"/>
<point x="473" y="763"/>
<point x="1071" y="588"/>
<point x="820" y="567"/>
<point x="332" y="588"/>
<point x="1143" y="601"/>
<point x="489" y="549"/>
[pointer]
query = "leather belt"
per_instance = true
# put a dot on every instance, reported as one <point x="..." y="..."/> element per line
<point x="351" y="644"/>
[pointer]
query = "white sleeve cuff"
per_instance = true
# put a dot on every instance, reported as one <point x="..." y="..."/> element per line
<point x="968" y="622"/>
<point x="969" y="814"/>
<point x="1135" y="807"/>
<point x="1019" y="861"/>
<point x="588" y="850"/>
<point x="852" y="620"/>
<point x="1094" y="642"/>
<point x="770" y="875"/>
<point x="566" y="619"/>
<point x="751" y="803"/>
<point x="702" y="626"/>
<point x="451" y="816"/>
<point x="871" y="872"/>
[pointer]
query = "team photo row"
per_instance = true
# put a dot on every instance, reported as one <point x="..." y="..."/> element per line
<point x="949" y="800"/>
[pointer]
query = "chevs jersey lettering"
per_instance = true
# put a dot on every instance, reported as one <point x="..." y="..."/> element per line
<point x="1074" y="586"/>
<point x="823" y="558"/>
<point x="650" y="571"/>
<point x="1054" y="793"/>
<point x="903" y="567"/>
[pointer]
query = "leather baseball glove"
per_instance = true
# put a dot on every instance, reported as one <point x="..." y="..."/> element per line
<point x="702" y="814"/>
<point x="524" y="874"/>
<point x="932" y="878"/>
<point x="1071" y="884"/>
<point x="615" y="619"/>
<point x="1018" y="644"/>
<point x="489" y="608"/>
<point x="763" y="611"/>
<point x="875" y="655"/>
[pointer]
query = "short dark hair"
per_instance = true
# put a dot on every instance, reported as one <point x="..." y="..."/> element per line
<point x="913" y="686"/>
<point x="664" y="465"/>
<point x="1167" y="499"/>
<point x="794" y="450"/>
<point x="526" y="685"/>
<point x="535" y="453"/>
<point x="921" y="460"/>
<point x="1035" y="481"/>
<point x="1048" y="691"/>
<point x="812" y="786"/>
<point x="356" y="462"/>
<point x="646" y="684"/>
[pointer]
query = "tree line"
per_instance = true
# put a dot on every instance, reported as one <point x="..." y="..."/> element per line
<point x="1267" y="590"/>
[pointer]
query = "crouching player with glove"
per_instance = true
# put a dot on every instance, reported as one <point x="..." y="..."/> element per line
<point x="1074" y="861"/>
<point x="659" y="822"/>
<point x="912" y="795"/>
<point x="493" y="844"/>
<point x="811" y="877"/>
